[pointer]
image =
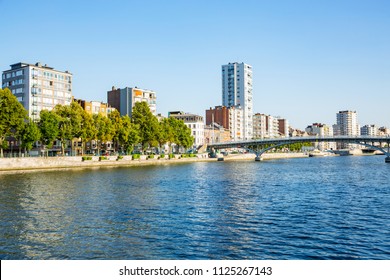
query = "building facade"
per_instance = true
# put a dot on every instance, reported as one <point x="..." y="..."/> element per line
<point x="266" y="126"/>
<point x="370" y="130"/>
<point x="124" y="99"/>
<point x="322" y="130"/>
<point x="283" y="127"/>
<point x="38" y="87"/>
<point x="347" y="124"/>
<point x="260" y="126"/>
<point x="194" y="122"/>
<point x="215" y="133"/>
<point x="219" y="115"/>
<point x="95" y="107"/>
<point x="237" y="92"/>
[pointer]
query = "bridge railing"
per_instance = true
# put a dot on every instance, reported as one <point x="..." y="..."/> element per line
<point x="340" y="138"/>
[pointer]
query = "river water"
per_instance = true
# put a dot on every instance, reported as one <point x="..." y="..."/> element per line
<point x="308" y="208"/>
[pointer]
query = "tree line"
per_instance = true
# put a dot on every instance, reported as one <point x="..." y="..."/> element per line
<point x="66" y="123"/>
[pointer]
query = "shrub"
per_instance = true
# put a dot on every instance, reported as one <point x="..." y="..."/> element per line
<point x="84" y="158"/>
<point x="150" y="156"/>
<point x="136" y="156"/>
<point x="103" y="158"/>
<point x="171" y="156"/>
<point x="119" y="158"/>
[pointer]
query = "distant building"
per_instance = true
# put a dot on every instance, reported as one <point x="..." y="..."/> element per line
<point x="38" y="86"/>
<point x="321" y="130"/>
<point x="124" y="99"/>
<point x="283" y="126"/>
<point x="384" y="131"/>
<point x="215" y="133"/>
<point x="236" y="125"/>
<point x="194" y="122"/>
<point x="219" y="115"/>
<point x="95" y="107"/>
<point x="347" y="124"/>
<point x="266" y="126"/>
<point x="370" y="130"/>
<point x="237" y="92"/>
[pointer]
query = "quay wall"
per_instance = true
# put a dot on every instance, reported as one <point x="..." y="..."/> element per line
<point x="17" y="165"/>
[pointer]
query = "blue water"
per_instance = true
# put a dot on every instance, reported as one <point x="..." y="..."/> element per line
<point x="309" y="208"/>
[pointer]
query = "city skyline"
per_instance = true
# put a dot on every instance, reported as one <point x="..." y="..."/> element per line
<point x="310" y="60"/>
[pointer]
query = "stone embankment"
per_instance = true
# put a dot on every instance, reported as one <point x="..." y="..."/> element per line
<point x="29" y="164"/>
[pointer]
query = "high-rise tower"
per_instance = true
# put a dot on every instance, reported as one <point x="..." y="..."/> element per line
<point x="237" y="92"/>
<point x="347" y="124"/>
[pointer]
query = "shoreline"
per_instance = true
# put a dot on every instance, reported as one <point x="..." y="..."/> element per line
<point x="36" y="164"/>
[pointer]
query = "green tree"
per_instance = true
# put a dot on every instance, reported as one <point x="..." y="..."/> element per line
<point x="117" y="125"/>
<point x="30" y="135"/>
<point x="128" y="134"/>
<point x="49" y="127"/>
<point x="148" y="124"/>
<point x="76" y="118"/>
<point x="185" y="139"/>
<point x="179" y="133"/>
<point x="88" y="129"/>
<point x="12" y="117"/>
<point x="64" y="125"/>
<point x="166" y="135"/>
<point x="104" y="130"/>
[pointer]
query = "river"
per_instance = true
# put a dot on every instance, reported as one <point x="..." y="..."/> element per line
<point x="307" y="208"/>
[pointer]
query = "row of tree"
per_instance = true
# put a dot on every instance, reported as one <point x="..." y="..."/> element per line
<point x="70" y="122"/>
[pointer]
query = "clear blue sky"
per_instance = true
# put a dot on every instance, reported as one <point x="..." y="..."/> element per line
<point x="310" y="58"/>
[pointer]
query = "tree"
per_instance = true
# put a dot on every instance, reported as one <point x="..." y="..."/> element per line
<point x="49" y="127"/>
<point x="128" y="134"/>
<point x="166" y="133"/>
<point x="148" y="124"/>
<point x="30" y="134"/>
<point x="184" y="136"/>
<point x="64" y="125"/>
<point x="180" y="133"/>
<point x="12" y="116"/>
<point x="117" y="125"/>
<point x="104" y="130"/>
<point x="88" y="129"/>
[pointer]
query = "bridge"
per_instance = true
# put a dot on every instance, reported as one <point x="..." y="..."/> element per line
<point x="258" y="147"/>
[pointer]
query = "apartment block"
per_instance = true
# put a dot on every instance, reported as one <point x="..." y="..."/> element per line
<point x="124" y="99"/>
<point x="237" y="92"/>
<point x="219" y="115"/>
<point x="95" y="107"/>
<point x="347" y="124"/>
<point x="266" y="126"/>
<point x="194" y="122"/>
<point x="322" y="130"/>
<point x="370" y="130"/>
<point x="38" y="86"/>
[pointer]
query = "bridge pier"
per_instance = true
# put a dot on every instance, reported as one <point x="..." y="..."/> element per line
<point x="387" y="159"/>
<point x="258" y="158"/>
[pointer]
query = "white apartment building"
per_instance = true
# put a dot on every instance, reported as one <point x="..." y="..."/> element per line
<point x="38" y="86"/>
<point x="347" y="124"/>
<point x="321" y="130"/>
<point x="236" y="125"/>
<point x="124" y="99"/>
<point x="237" y="91"/>
<point x="266" y="126"/>
<point x="370" y="130"/>
<point x="194" y="122"/>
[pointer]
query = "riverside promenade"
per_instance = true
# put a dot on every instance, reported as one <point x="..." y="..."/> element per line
<point x="31" y="164"/>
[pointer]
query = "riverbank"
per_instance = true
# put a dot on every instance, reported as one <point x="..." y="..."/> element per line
<point x="33" y="164"/>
